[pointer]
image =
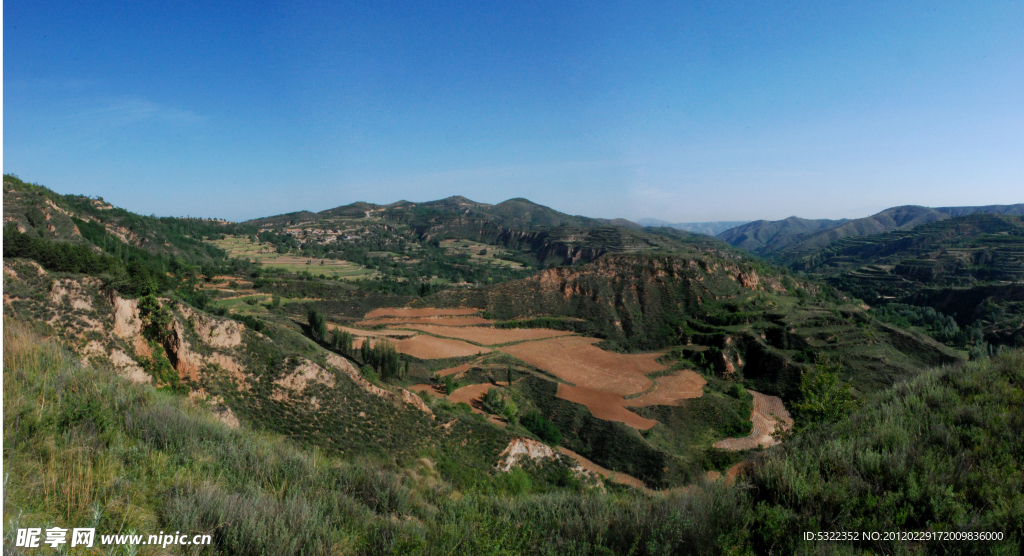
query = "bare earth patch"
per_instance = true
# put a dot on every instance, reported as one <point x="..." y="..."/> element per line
<point x="604" y="405"/>
<point x="608" y="474"/>
<point x="672" y="389"/>
<point x="471" y="395"/>
<point x="575" y="359"/>
<point x="455" y="370"/>
<point x="429" y="347"/>
<point x="768" y="415"/>
<point x="489" y="336"/>
<point x="454" y="321"/>
<point x="417" y="313"/>
<point x="359" y="333"/>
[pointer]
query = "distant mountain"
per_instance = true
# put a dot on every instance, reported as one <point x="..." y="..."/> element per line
<point x="703" y="228"/>
<point x="765" y="236"/>
<point x="515" y="213"/>
<point x="800" y="236"/>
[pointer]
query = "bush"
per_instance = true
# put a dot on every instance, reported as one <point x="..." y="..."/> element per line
<point x="542" y="428"/>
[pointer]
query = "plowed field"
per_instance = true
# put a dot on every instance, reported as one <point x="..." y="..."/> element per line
<point x="454" y="321"/>
<point x="768" y="414"/>
<point x="604" y="405"/>
<point x="359" y="333"/>
<point x="417" y="313"/>
<point x="575" y="359"/>
<point x="429" y="347"/>
<point x="455" y="370"/>
<point x="489" y="336"/>
<point x="672" y="389"/>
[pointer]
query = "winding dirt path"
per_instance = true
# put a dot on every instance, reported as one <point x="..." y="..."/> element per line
<point x="768" y="415"/>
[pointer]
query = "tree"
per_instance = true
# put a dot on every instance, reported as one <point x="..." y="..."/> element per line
<point x="823" y="397"/>
<point x="317" y="325"/>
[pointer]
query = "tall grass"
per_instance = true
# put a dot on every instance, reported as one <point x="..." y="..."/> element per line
<point x="95" y="450"/>
<point x="84" y="448"/>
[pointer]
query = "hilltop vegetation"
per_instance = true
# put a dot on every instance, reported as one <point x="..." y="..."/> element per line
<point x="796" y="236"/>
<point x="959" y="263"/>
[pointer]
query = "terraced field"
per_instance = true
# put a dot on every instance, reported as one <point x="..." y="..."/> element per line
<point x="767" y="415"/>
<point x="266" y="255"/>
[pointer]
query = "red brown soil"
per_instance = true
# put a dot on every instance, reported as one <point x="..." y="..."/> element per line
<point x="454" y="321"/>
<point x="417" y="313"/>
<point x="429" y="347"/>
<point x="672" y="389"/>
<point x="489" y="336"/>
<point x="435" y="391"/>
<point x="608" y="474"/>
<point x="735" y="471"/>
<point x="575" y="359"/>
<point x="359" y="333"/>
<point x="471" y="395"/>
<point x="454" y="370"/>
<point x="730" y="475"/>
<point x="604" y="405"/>
<point x="768" y="414"/>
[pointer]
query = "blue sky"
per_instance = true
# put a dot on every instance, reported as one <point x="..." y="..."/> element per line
<point x="678" y="110"/>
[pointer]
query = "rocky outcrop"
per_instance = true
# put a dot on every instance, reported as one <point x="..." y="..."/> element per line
<point x="71" y="291"/>
<point x="218" y="333"/>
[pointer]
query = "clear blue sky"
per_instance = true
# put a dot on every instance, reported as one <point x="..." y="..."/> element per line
<point x="676" y="110"/>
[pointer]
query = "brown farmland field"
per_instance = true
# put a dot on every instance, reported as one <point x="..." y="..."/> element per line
<point x="768" y="414"/>
<point x="672" y="389"/>
<point x="417" y="313"/>
<point x="489" y="336"/>
<point x="359" y="333"/>
<point x="455" y="321"/>
<point x="575" y="359"/>
<point x="455" y="370"/>
<point x="429" y="347"/>
<point x="604" y="405"/>
<point x="471" y="395"/>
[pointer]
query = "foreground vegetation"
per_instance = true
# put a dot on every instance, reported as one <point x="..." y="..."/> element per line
<point x="85" y="448"/>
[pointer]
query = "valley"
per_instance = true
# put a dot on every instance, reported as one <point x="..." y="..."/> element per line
<point x="474" y="353"/>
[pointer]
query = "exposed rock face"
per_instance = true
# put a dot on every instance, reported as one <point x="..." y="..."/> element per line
<point x="180" y="353"/>
<point x="307" y="372"/>
<point x="214" y="332"/>
<point x="127" y="323"/>
<point x="748" y="279"/>
<point x="128" y="368"/>
<point x="522" y="449"/>
<point x="70" y="290"/>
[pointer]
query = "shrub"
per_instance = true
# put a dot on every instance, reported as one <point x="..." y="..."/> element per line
<point x="542" y="428"/>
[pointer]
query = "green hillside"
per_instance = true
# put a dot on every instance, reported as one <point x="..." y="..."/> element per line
<point x="795" y="237"/>
<point x="937" y="454"/>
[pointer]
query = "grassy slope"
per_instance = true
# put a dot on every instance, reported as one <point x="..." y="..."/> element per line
<point x="83" y="447"/>
<point x="942" y="452"/>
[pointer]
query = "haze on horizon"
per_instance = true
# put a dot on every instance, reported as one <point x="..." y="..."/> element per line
<point x="676" y="111"/>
